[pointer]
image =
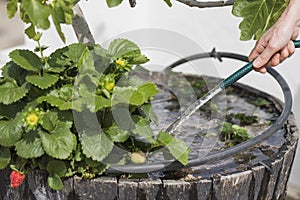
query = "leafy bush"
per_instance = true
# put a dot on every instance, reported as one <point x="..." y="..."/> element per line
<point x="57" y="112"/>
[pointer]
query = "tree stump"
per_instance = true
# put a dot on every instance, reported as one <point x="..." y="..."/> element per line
<point x="266" y="180"/>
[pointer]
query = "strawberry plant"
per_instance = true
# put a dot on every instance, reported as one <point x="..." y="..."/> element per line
<point x="41" y="96"/>
<point x="57" y="112"/>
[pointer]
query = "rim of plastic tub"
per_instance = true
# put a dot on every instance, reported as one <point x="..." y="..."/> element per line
<point x="175" y="165"/>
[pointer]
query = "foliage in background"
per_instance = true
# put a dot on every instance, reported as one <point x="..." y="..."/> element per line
<point x="57" y="112"/>
<point x="258" y="15"/>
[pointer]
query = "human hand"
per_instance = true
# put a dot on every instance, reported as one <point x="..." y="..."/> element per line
<point x="276" y="44"/>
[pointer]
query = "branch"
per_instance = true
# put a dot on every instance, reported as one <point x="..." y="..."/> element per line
<point x="81" y="27"/>
<point x="199" y="4"/>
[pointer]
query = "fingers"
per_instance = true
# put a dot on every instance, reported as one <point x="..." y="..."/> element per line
<point x="265" y="56"/>
<point x="268" y="58"/>
<point x="283" y="54"/>
<point x="258" y="49"/>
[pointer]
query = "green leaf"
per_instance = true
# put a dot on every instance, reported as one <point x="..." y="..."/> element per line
<point x="75" y="51"/>
<point x="148" y="111"/>
<point x="55" y="182"/>
<point x="10" y="132"/>
<point x="5" y="157"/>
<point x="30" y="32"/>
<point x="113" y="3"/>
<point x="86" y="61"/>
<point x="10" y="111"/>
<point x="121" y="47"/>
<point x="12" y="70"/>
<point x="62" y="13"/>
<point x="30" y="146"/>
<point x="49" y="120"/>
<point x="38" y="12"/>
<point x="11" y="92"/>
<point x="259" y="102"/>
<point x="26" y="59"/>
<point x="12" y="8"/>
<point x="62" y="98"/>
<point x="177" y="148"/>
<point x="148" y="89"/>
<point x="101" y="51"/>
<point x="168" y="2"/>
<point x="128" y="95"/>
<point x="92" y="101"/>
<point x="139" y="59"/>
<point x="144" y="129"/>
<point x="116" y="134"/>
<point x="59" y="143"/>
<point x="45" y="81"/>
<point x="95" y="144"/>
<point x="56" y="167"/>
<point x="258" y="16"/>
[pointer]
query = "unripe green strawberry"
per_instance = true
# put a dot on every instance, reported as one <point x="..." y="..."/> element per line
<point x="138" y="157"/>
<point x="16" y="179"/>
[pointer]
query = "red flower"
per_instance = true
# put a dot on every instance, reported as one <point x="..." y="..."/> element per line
<point x="16" y="179"/>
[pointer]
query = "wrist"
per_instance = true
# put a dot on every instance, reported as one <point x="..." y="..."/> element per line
<point x="292" y="12"/>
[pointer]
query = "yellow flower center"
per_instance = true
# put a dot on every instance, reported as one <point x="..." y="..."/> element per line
<point x="121" y="62"/>
<point x="32" y="119"/>
<point x="109" y="86"/>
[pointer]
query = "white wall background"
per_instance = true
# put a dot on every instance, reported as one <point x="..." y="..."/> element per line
<point x="204" y="28"/>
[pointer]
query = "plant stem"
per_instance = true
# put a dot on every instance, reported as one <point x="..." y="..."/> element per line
<point x="41" y="51"/>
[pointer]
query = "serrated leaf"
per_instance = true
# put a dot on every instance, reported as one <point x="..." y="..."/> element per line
<point x="45" y="81"/>
<point x="127" y="95"/>
<point x="30" y="32"/>
<point x="75" y="51"/>
<point x="86" y="62"/>
<point x="116" y="134"/>
<point x="148" y="89"/>
<point x="12" y="70"/>
<point x="49" y="120"/>
<point x="26" y="59"/>
<point x="11" y="92"/>
<point x="258" y="16"/>
<point x="92" y="101"/>
<point x="144" y="129"/>
<point x="99" y="170"/>
<point x="149" y="112"/>
<point x="177" y="148"/>
<point x="57" y="61"/>
<point x="121" y="47"/>
<point x="5" y="157"/>
<point x="95" y="144"/>
<point x="101" y="51"/>
<point x="12" y="8"/>
<point x="30" y="146"/>
<point x="38" y="13"/>
<point x="55" y="182"/>
<point x="57" y="102"/>
<point x="61" y="13"/>
<point x="56" y="167"/>
<point x="113" y="3"/>
<point x="139" y="59"/>
<point x="59" y="143"/>
<point x="10" y="111"/>
<point x="62" y="99"/>
<point x="10" y="132"/>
